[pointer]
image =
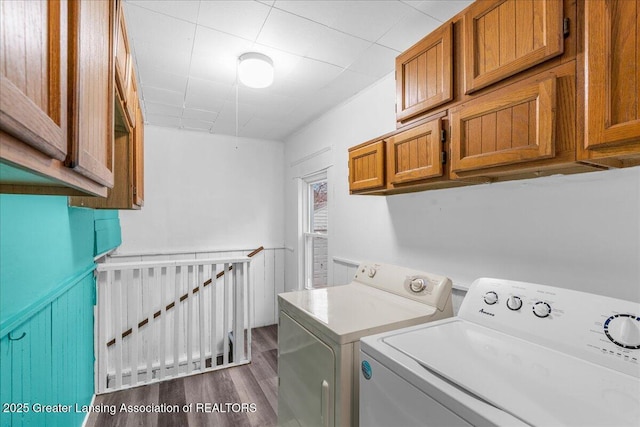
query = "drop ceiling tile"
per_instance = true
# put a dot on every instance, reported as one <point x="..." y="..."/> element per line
<point x="315" y="74"/>
<point x="196" y="124"/>
<point x="162" y="96"/>
<point x="442" y="10"/>
<point x="240" y="18"/>
<point x="162" y="57"/>
<point x="186" y="10"/>
<point x="257" y="128"/>
<point x="159" y="120"/>
<point x="411" y="29"/>
<point x="207" y="95"/>
<point x="377" y="61"/>
<point x="289" y="32"/>
<point x="162" y="109"/>
<point x="158" y="78"/>
<point x="215" y="55"/>
<point x="157" y="28"/>
<point x="369" y="20"/>
<point x="325" y="12"/>
<point x="204" y="115"/>
<point x="284" y="63"/>
<point x="337" y="48"/>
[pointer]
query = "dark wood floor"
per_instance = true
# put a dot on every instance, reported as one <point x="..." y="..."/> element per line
<point x="255" y="383"/>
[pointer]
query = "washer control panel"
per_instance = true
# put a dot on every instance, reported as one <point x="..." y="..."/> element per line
<point x="601" y="329"/>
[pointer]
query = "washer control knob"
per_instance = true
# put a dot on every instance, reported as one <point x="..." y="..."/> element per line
<point x="541" y="309"/>
<point x="416" y="285"/>
<point x="372" y="272"/>
<point x="514" y="303"/>
<point x="623" y="330"/>
<point x="491" y="298"/>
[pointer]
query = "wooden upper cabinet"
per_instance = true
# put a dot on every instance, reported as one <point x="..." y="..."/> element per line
<point x="504" y="37"/>
<point x="415" y="154"/>
<point x="91" y="99"/>
<point x="366" y="166"/>
<point x="125" y="70"/>
<point x="131" y="100"/>
<point x="612" y="78"/>
<point x="123" y="54"/>
<point x="138" y="159"/>
<point x="33" y="74"/>
<point x="424" y="74"/>
<point x="514" y="126"/>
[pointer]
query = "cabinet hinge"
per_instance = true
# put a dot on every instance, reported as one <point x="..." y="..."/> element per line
<point x="443" y="136"/>
<point x="443" y="157"/>
<point x="135" y="190"/>
<point x="565" y="27"/>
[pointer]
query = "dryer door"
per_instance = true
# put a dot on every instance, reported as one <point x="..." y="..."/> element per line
<point x="306" y="373"/>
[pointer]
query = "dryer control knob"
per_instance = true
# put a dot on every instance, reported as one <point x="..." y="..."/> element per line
<point x="514" y="303"/>
<point x="541" y="309"/>
<point x="372" y="272"/>
<point x="491" y="298"/>
<point x="623" y="330"/>
<point x="416" y="285"/>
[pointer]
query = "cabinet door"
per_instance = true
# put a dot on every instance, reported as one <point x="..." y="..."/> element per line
<point x="131" y="100"/>
<point x="92" y="87"/>
<point x="138" y="159"/>
<point x="424" y="74"/>
<point x="366" y="166"/>
<point x="504" y="37"/>
<point x="612" y="46"/>
<point x="517" y="125"/>
<point x="33" y="74"/>
<point x="123" y="56"/>
<point x="415" y="154"/>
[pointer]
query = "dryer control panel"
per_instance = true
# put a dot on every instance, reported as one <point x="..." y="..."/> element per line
<point x="427" y="288"/>
<point x="600" y="329"/>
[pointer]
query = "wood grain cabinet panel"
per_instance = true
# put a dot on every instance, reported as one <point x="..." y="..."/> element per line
<point x="612" y="78"/>
<point x="513" y="127"/>
<point x="366" y="166"/>
<point x="504" y="37"/>
<point x="424" y="74"/>
<point x="56" y="96"/>
<point x="33" y="74"/>
<point x="128" y="188"/>
<point x="415" y="154"/>
<point x="92" y="87"/>
<point x="123" y="54"/>
<point x="138" y="159"/>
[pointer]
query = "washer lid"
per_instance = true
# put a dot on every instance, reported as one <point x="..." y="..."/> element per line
<point x="348" y="312"/>
<point x="538" y="385"/>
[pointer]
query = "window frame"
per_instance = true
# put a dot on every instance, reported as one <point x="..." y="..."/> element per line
<point x="307" y="235"/>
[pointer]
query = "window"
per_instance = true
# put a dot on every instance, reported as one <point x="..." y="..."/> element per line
<point x="315" y="226"/>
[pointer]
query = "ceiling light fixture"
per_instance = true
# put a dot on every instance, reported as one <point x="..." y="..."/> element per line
<point x="255" y="70"/>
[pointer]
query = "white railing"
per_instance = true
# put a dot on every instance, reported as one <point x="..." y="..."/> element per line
<point x="157" y="320"/>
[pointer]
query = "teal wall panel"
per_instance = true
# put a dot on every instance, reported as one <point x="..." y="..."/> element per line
<point x="47" y="290"/>
<point x="43" y="242"/>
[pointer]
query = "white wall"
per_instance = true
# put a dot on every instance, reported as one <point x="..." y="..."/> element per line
<point x="207" y="192"/>
<point x="580" y="232"/>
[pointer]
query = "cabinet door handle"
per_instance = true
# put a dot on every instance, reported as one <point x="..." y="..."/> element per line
<point x="17" y="339"/>
<point x="324" y="404"/>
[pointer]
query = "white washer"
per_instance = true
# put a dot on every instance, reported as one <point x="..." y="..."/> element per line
<point x="516" y="354"/>
<point x="319" y="332"/>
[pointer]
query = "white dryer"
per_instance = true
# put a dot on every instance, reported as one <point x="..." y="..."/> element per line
<point x="516" y="354"/>
<point x="319" y="332"/>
